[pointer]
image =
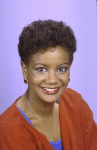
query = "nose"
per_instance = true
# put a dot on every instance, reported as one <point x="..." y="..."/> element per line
<point x="52" y="78"/>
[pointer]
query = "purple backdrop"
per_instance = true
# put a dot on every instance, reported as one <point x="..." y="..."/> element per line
<point x="79" y="14"/>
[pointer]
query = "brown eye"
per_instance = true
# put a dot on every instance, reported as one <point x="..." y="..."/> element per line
<point x="41" y="70"/>
<point x="62" y="69"/>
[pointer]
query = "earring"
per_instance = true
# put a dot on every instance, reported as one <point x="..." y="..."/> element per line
<point x="25" y="81"/>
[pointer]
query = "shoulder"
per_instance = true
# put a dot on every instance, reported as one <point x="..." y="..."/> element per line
<point x="9" y="124"/>
<point x="78" y="117"/>
<point x="76" y="107"/>
<point x="72" y="93"/>
<point x="7" y="117"/>
<point x="74" y="100"/>
<point x="72" y="96"/>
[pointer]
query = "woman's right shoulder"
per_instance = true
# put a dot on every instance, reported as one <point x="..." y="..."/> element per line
<point x="9" y="114"/>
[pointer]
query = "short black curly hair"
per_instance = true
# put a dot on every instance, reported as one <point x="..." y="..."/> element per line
<point x="41" y="34"/>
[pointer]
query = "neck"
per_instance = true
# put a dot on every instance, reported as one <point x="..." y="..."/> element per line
<point x="41" y="108"/>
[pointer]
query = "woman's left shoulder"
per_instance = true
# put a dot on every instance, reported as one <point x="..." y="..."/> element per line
<point x="74" y="99"/>
<point x="72" y="92"/>
<point x="74" y="103"/>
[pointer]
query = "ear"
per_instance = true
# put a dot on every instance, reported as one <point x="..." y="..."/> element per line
<point x="24" y="69"/>
<point x="70" y="65"/>
<point x="70" y="68"/>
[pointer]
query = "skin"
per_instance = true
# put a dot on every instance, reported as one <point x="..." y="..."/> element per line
<point x="54" y="74"/>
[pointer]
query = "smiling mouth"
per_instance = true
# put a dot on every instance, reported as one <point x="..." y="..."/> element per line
<point x="51" y="91"/>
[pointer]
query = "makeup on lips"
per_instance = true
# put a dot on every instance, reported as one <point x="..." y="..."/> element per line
<point x="51" y="91"/>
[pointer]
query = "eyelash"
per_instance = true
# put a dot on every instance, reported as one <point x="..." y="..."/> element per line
<point x="41" y="69"/>
<point x="64" y="68"/>
<point x="38" y="69"/>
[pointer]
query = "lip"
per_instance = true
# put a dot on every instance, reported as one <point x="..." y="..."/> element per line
<point x="51" y="92"/>
<point x="50" y="87"/>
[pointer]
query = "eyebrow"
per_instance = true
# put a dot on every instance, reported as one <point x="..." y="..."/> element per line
<point x="47" y="65"/>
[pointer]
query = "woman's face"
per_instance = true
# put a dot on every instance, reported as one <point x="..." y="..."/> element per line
<point x="47" y="74"/>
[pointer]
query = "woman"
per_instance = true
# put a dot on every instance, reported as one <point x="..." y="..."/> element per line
<point x="49" y="115"/>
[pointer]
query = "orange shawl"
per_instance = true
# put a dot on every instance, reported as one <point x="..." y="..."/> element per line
<point x="78" y="129"/>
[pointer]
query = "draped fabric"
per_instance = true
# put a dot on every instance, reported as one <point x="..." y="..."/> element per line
<point x="78" y="129"/>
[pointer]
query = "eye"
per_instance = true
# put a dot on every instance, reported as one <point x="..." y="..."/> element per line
<point x="62" y="69"/>
<point x="41" y="70"/>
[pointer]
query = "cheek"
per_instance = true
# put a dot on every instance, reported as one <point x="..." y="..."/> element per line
<point x="64" y="78"/>
<point x="36" y="79"/>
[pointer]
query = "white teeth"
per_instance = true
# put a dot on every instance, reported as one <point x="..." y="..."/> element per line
<point x="50" y="90"/>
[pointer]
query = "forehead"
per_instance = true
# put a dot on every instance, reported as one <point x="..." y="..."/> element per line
<point x="53" y="55"/>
